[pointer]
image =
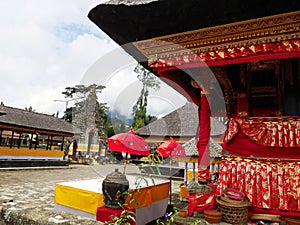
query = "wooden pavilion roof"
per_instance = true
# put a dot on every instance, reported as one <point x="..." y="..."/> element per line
<point x="215" y="149"/>
<point x="180" y="123"/>
<point x="28" y="121"/>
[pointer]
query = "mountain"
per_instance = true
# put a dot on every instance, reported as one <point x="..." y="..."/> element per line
<point x="117" y="115"/>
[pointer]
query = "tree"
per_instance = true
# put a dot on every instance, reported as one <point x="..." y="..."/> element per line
<point x="30" y="109"/>
<point x="68" y="114"/>
<point x="139" y="110"/>
<point x="87" y="114"/>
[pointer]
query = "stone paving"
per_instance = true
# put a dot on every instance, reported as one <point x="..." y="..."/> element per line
<point x="30" y="188"/>
<point x="23" y="189"/>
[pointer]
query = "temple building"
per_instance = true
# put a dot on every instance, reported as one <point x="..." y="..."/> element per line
<point x="238" y="59"/>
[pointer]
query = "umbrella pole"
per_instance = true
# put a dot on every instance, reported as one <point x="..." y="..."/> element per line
<point x="170" y="180"/>
<point x="125" y="163"/>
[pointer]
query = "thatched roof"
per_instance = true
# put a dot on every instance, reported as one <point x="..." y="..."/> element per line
<point x="191" y="150"/>
<point x="19" y="119"/>
<point x="182" y="122"/>
<point x="152" y="31"/>
<point x="127" y="21"/>
<point x="128" y="2"/>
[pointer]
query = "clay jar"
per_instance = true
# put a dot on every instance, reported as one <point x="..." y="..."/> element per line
<point x="182" y="213"/>
<point x="212" y="216"/>
<point x="113" y="187"/>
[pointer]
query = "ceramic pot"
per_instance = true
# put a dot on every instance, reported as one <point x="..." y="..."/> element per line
<point x="113" y="187"/>
<point x="182" y="213"/>
<point x="212" y="216"/>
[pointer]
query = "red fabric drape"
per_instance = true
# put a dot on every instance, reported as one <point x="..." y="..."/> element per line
<point x="203" y="139"/>
<point x="266" y="131"/>
<point x="273" y="137"/>
<point x="268" y="184"/>
<point x="241" y="145"/>
<point x="204" y="131"/>
<point x="105" y="214"/>
<point x="198" y="202"/>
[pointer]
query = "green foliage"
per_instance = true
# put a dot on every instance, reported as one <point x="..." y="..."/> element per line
<point x="68" y="114"/>
<point x="81" y="90"/>
<point x="139" y="110"/>
<point x="128" y="215"/>
<point x="125" y="217"/>
<point x="169" y="218"/>
<point x="200" y="222"/>
<point x="87" y="109"/>
<point x="148" y="79"/>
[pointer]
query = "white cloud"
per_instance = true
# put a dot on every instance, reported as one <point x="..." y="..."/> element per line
<point x="48" y="45"/>
<point x="36" y="58"/>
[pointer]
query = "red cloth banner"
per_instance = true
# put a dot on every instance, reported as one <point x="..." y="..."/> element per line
<point x="203" y="139"/>
<point x="268" y="184"/>
<point x="204" y="131"/>
<point x="105" y="214"/>
<point x="198" y="202"/>
<point x="266" y="131"/>
<point x="274" y="137"/>
<point x="239" y="54"/>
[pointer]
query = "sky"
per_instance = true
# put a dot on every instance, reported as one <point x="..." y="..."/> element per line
<point x="48" y="45"/>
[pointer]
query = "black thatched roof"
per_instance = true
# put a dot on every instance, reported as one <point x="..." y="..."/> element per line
<point x="22" y="119"/>
<point x="215" y="149"/>
<point x="182" y="122"/>
<point x="130" y="22"/>
<point x="126" y="21"/>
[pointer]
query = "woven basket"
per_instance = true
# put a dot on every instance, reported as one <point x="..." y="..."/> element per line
<point x="290" y="221"/>
<point x="195" y="187"/>
<point x="234" y="213"/>
<point x="266" y="217"/>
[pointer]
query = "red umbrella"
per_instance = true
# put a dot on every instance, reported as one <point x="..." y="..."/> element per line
<point x="170" y="148"/>
<point x="129" y="143"/>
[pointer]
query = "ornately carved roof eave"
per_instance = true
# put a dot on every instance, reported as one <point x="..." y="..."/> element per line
<point x="271" y="29"/>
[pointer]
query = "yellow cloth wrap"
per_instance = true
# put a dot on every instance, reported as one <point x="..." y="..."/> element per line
<point x="190" y="174"/>
<point x="28" y="152"/>
<point x="74" y="195"/>
<point x="84" y="200"/>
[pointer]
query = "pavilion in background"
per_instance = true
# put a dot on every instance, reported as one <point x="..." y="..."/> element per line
<point x="181" y="125"/>
<point x="32" y="139"/>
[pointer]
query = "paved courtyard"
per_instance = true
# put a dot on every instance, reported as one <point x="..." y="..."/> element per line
<point x="26" y="189"/>
<point x="29" y="188"/>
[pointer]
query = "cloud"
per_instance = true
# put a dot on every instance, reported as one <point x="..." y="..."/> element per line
<point x="115" y="70"/>
<point x="49" y="45"/>
<point x="46" y="46"/>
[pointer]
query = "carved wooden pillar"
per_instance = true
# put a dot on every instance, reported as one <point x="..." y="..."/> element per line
<point x="229" y="93"/>
<point x="264" y="88"/>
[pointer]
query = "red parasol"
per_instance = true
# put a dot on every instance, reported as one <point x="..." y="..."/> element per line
<point x="170" y="148"/>
<point x="129" y="143"/>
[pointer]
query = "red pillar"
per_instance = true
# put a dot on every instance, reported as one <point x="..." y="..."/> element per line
<point x="204" y="114"/>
